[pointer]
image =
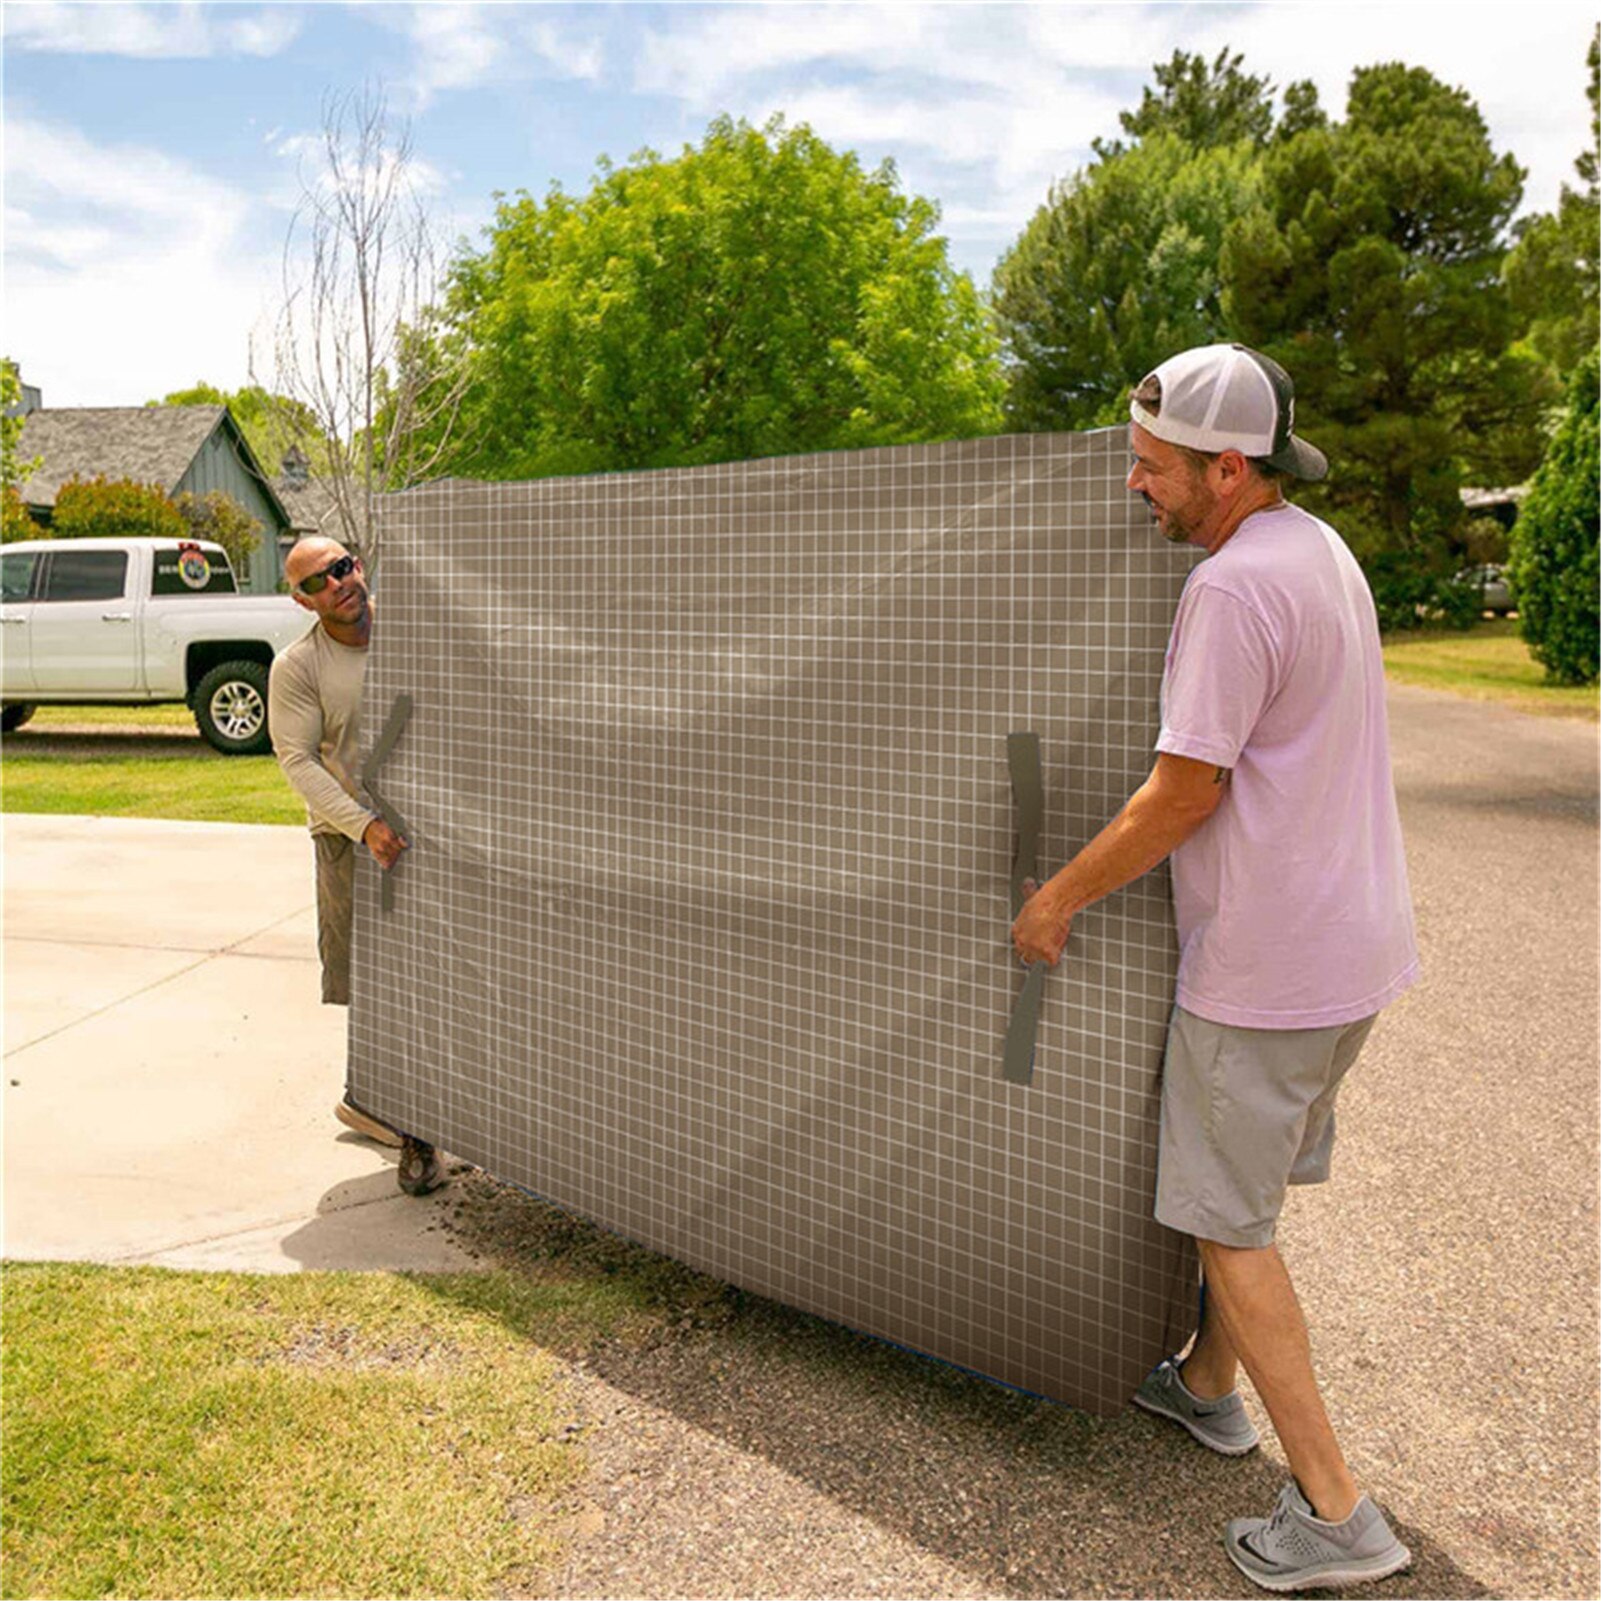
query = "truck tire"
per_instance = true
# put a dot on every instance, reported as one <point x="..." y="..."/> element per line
<point x="14" y="714"/>
<point x="230" y="707"/>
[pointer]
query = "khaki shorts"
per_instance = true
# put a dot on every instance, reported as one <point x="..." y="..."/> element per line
<point x="336" y="910"/>
<point x="1246" y="1112"/>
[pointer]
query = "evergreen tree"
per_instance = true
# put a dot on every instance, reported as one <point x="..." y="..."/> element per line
<point x="1201" y="105"/>
<point x="1372" y="273"/>
<point x="1116" y="272"/>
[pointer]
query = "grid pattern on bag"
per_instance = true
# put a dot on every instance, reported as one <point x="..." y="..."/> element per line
<point x="703" y="931"/>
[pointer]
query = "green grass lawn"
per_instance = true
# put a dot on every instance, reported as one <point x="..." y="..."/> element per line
<point x="122" y="769"/>
<point x="311" y="1434"/>
<point x="95" y="777"/>
<point x="1488" y="662"/>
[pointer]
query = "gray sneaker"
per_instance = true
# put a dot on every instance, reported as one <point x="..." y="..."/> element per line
<point x="1293" y="1550"/>
<point x="1221" y="1424"/>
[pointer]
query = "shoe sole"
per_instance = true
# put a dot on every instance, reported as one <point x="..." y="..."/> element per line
<point x="1328" y="1576"/>
<point x="368" y="1127"/>
<point x="1183" y="1422"/>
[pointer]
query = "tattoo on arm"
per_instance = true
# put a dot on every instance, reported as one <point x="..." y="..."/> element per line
<point x="1220" y="776"/>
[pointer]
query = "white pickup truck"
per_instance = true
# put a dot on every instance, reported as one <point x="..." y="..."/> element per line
<point x="94" y="622"/>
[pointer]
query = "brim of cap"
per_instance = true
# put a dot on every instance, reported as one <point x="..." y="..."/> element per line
<point x="1303" y="460"/>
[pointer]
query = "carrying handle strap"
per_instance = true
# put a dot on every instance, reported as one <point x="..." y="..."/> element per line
<point x="1028" y="800"/>
<point x="394" y="727"/>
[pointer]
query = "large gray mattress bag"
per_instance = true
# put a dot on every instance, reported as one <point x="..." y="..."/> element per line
<point x="717" y="782"/>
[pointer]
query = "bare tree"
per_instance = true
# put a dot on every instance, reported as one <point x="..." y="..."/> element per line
<point x="359" y="344"/>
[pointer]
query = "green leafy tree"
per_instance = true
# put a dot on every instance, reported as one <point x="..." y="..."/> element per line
<point x="1554" y="569"/>
<point x="1201" y="104"/>
<point x="759" y="294"/>
<point x="115" y="508"/>
<point x="15" y="523"/>
<point x="1372" y="272"/>
<point x="1554" y="270"/>
<point x="221" y="519"/>
<point x="1116" y="272"/>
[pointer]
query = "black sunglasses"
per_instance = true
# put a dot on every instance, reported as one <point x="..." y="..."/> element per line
<point x="338" y="571"/>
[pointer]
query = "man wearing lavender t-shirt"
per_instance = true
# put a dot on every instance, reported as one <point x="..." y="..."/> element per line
<point x="1273" y="796"/>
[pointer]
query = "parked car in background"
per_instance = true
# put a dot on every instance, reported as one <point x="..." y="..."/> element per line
<point x="119" y="622"/>
<point x="1491" y="582"/>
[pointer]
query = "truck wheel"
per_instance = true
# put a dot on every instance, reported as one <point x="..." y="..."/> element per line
<point x="13" y="715"/>
<point x="230" y="707"/>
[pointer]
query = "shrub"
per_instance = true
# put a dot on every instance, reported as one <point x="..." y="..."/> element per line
<point x="1554" y="568"/>
<point x="115" y="508"/>
<point x="220" y="518"/>
<point x="15" y="523"/>
<point x="1407" y="594"/>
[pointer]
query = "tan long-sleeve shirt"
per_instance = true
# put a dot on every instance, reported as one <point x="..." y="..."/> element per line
<point x="314" y="704"/>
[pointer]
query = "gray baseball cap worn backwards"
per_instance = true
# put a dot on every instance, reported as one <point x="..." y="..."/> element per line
<point x="1225" y="397"/>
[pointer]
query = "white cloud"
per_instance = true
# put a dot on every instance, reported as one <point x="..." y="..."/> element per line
<point x="454" y="47"/>
<point x="128" y="272"/>
<point x="706" y="56"/>
<point x="984" y="106"/>
<point x="565" y="53"/>
<point x="457" y="47"/>
<point x="188" y="30"/>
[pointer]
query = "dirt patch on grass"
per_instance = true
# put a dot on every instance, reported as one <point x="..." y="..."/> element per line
<point x="84" y="742"/>
<point x="346" y="1348"/>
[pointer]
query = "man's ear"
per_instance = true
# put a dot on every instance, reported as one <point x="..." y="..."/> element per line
<point x="300" y="600"/>
<point x="1232" y="471"/>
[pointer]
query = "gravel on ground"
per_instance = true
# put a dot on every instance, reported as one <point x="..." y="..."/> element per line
<point x="1449" y="1274"/>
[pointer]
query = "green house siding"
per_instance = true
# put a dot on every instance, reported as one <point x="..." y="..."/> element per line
<point x="224" y="464"/>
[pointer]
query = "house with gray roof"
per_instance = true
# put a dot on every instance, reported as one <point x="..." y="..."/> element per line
<point x="177" y="448"/>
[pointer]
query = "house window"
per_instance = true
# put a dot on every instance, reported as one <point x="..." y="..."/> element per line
<point x="86" y="575"/>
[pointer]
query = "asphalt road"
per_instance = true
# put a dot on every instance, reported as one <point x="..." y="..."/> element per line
<point x="1449" y="1274"/>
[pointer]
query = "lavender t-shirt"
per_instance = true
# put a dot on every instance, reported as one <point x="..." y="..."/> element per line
<point x="1292" y="901"/>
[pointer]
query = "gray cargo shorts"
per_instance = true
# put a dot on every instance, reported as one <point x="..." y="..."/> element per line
<point x="1245" y="1113"/>
<point x="336" y="909"/>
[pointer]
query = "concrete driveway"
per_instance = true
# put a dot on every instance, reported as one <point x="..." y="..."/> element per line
<point x="170" y="1072"/>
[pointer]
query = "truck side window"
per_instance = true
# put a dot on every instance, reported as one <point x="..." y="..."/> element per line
<point x="190" y="572"/>
<point x="16" y="576"/>
<point x="86" y="575"/>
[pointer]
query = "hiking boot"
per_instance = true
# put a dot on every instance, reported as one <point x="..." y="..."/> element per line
<point x="1296" y="1550"/>
<point x="1221" y="1425"/>
<point x="365" y="1123"/>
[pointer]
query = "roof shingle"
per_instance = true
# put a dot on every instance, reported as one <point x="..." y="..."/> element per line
<point x="151" y="444"/>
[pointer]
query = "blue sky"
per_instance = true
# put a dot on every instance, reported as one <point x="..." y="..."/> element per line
<point x="151" y="150"/>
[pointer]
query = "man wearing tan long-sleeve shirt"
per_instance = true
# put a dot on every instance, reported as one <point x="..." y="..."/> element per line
<point x="315" y="707"/>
